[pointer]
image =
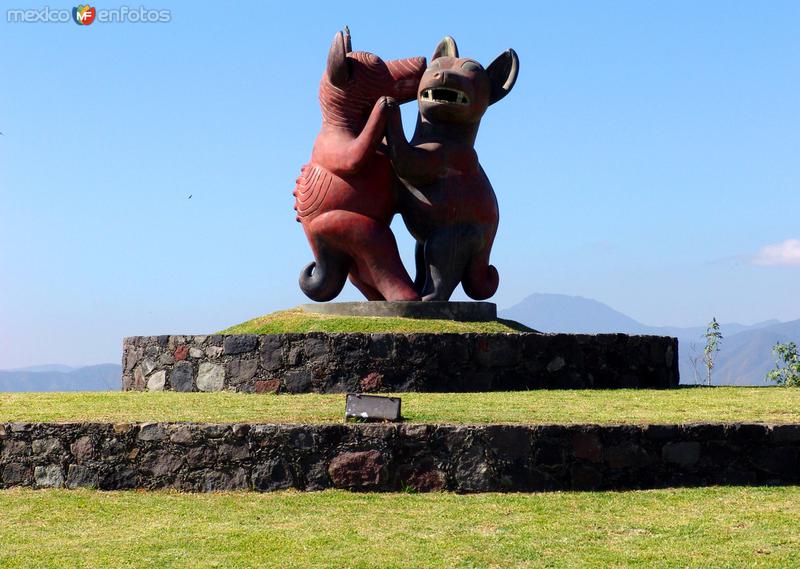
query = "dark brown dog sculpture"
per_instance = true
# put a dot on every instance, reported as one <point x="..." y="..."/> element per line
<point x="345" y="196"/>
<point x="448" y="204"/>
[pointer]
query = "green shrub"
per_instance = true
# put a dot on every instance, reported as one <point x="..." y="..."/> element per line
<point x="713" y="341"/>
<point x="787" y="366"/>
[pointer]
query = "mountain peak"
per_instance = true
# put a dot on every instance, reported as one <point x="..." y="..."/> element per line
<point x="563" y="313"/>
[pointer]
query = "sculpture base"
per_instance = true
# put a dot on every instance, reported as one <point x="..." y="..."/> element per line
<point x="460" y="458"/>
<point x="459" y="311"/>
<point x="350" y="362"/>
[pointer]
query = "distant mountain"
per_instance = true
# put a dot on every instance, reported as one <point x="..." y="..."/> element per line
<point x="575" y="314"/>
<point x="744" y="358"/>
<point x="101" y="377"/>
<point x="45" y="367"/>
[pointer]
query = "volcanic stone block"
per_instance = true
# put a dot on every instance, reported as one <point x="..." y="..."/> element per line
<point x="50" y="476"/>
<point x="273" y="474"/>
<point x="181" y="377"/>
<point x="587" y="446"/>
<point x="181" y="434"/>
<point x="239" y="344"/>
<point x="148" y="366"/>
<point x="82" y="477"/>
<point x="82" y="448"/>
<point x="241" y="370"/>
<point x="181" y="353"/>
<point x="157" y="381"/>
<point x="474" y="472"/>
<point x="358" y="470"/>
<point x="15" y="474"/>
<point x="161" y="463"/>
<point x="210" y="377"/>
<point x="426" y="480"/>
<point x="223" y="481"/>
<point x="46" y="447"/>
<point x="683" y="453"/>
<point x="298" y="381"/>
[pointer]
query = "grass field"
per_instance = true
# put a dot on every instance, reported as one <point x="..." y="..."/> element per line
<point x="688" y="527"/>
<point x="769" y="405"/>
<point x="709" y="527"/>
<point x="298" y="321"/>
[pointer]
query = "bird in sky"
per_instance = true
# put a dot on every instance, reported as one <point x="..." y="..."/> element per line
<point x="190" y="197"/>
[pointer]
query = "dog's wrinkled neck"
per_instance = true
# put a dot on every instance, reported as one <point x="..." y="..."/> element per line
<point x="463" y="133"/>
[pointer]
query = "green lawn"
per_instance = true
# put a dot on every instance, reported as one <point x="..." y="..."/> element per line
<point x="299" y="321"/>
<point x="769" y="405"/>
<point x="708" y="527"/>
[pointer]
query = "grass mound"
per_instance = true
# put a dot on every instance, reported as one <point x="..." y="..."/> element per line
<point x="299" y="321"/>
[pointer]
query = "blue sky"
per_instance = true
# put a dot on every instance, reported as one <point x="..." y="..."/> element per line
<point x="647" y="158"/>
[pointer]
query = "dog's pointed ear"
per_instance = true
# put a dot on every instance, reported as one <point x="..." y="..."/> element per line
<point x="446" y="48"/>
<point x="338" y="69"/>
<point x="348" y="44"/>
<point x="503" y="74"/>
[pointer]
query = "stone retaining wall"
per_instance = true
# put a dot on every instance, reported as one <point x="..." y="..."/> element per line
<point x="331" y="363"/>
<point x="202" y="457"/>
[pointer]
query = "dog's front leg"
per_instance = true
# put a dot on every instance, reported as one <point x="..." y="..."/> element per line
<point x="418" y="165"/>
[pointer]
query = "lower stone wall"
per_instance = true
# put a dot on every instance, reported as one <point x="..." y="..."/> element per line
<point x="202" y="457"/>
<point x="332" y="363"/>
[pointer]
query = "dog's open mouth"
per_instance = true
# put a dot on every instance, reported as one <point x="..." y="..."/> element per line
<point x="445" y="95"/>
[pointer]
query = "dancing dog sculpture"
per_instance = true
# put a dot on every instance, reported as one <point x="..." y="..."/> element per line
<point x="345" y="196"/>
<point x="448" y="204"/>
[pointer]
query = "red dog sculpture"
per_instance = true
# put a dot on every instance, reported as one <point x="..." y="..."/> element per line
<point x="448" y="204"/>
<point x="345" y="196"/>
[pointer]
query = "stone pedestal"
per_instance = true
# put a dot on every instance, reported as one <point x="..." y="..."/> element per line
<point x="336" y="363"/>
<point x="477" y="458"/>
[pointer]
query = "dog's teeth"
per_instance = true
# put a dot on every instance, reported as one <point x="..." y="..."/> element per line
<point x="459" y="98"/>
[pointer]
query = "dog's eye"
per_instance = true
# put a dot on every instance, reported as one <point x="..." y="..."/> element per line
<point x="471" y="66"/>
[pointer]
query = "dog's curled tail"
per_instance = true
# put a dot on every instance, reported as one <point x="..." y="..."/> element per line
<point x="323" y="279"/>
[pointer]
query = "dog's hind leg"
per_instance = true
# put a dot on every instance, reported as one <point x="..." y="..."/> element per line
<point x="368" y="291"/>
<point x="421" y="268"/>
<point x="372" y="251"/>
<point x="446" y="254"/>
<point x="378" y="265"/>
